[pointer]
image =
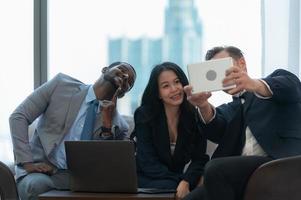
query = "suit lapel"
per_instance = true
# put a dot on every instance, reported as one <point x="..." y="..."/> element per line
<point x="179" y="145"/>
<point x="248" y="100"/>
<point x="74" y="105"/>
<point x="161" y="137"/>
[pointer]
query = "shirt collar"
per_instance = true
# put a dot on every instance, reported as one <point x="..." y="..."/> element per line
<point x="90" y="95"/>
<point x="239" y="94"/>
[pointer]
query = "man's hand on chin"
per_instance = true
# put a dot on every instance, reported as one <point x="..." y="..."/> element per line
<point x="108" y="108"/>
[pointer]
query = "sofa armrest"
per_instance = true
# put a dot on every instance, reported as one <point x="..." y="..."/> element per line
<point x="8" y="189"/>
<point x="276" y="180"/>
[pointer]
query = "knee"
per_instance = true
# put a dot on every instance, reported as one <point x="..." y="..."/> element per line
<point x="213" y="169"/>
<point x="31" y="188"/>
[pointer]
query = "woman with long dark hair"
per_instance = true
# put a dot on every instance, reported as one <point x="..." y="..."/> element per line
<point x="167" y="134"/>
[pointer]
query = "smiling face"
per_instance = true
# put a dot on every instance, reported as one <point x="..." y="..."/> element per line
<point x="120" y="76"/>
<point x="170" y="88"/>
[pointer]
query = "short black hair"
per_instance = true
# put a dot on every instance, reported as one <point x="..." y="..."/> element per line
<point x="119" y="62"/>
<point x="234" y="52"/>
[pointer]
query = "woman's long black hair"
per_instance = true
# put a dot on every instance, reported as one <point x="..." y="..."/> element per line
<point x="150" y="96"/>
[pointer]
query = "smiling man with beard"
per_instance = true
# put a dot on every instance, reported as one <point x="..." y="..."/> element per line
<point x="67" y="110"/>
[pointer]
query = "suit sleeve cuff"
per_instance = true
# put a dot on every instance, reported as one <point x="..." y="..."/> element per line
<point x="202" y="118"/>
<point x="268" y="87"/>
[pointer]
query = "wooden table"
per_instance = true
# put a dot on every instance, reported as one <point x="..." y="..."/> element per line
<point x="56" y="194"/>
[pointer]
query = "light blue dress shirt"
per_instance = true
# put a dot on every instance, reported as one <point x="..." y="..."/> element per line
<point x="58" y="157"/>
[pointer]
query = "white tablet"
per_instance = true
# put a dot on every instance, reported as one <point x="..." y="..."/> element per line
<point x="208" y="76"/>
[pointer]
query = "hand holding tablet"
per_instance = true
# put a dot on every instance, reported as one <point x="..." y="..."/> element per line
<point x="208" y="76"/>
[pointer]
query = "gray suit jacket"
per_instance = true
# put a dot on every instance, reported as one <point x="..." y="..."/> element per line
<point x="56" y="103"/>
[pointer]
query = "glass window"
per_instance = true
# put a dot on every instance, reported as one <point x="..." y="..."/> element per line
<point x="89" y="35"/>
<point x="16" y="63"/>
<point x="233" y="22"/>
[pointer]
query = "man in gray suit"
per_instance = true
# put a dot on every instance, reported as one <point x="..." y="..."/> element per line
<point x="62" y="105"/>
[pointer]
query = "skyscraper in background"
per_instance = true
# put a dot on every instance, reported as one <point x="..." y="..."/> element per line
<point x="181" y="43"/>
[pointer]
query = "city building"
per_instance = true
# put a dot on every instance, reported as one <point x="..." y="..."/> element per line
<point x="181" y="43"/>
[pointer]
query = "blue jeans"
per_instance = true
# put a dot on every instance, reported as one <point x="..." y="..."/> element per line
<point x="34" y="184"/>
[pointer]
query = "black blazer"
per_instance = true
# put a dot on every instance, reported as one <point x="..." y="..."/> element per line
<point x="274" y="122"/>
<point x="154" y="159"/>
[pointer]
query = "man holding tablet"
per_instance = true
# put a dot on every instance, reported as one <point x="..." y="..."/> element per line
<point x="262" y="123"/>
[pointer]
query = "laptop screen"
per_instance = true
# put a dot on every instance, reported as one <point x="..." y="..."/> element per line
<point x="102" y="166"/>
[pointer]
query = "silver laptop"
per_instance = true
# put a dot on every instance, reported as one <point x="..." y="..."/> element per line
<point x="104" y="166"/>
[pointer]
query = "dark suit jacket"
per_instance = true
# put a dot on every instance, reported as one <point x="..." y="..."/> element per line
<point x="274" y="122"/>
<point x="154" y="159"/>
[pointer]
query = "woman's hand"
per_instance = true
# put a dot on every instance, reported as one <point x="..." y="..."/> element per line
<point x="182" y="189"/>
